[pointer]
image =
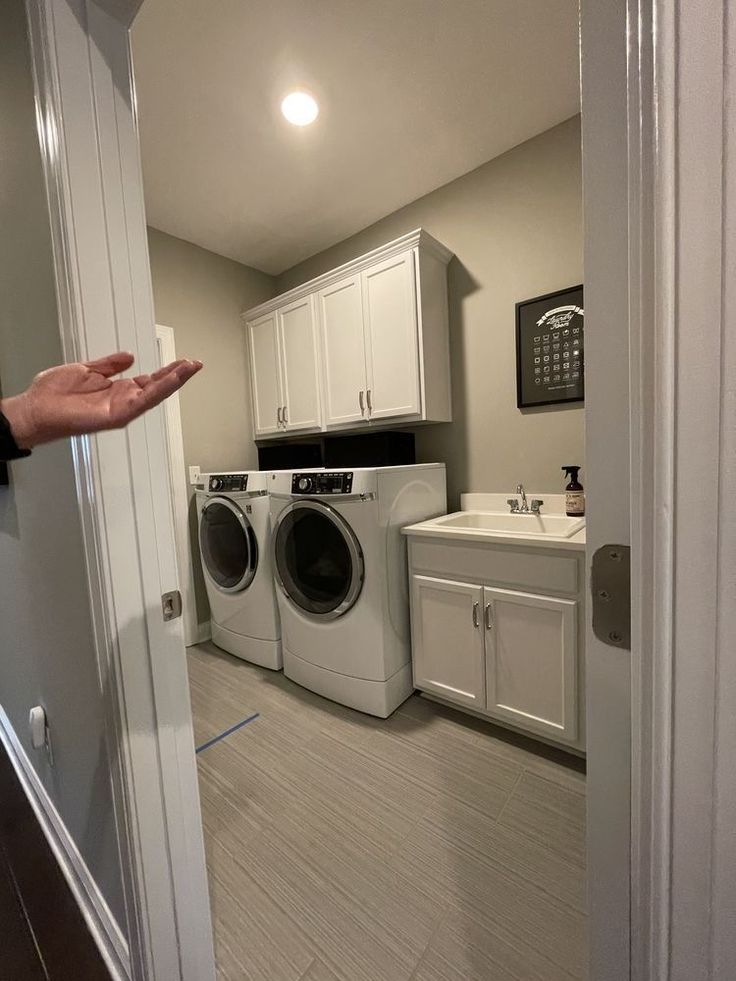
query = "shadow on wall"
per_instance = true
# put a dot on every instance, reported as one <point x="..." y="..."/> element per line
<point x="448" y="442"/>
<point x="200" y="589"/>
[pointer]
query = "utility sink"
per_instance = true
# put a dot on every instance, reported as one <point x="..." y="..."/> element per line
<point x="509" y="525"/>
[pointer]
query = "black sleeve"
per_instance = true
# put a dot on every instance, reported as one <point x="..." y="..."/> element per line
<point x="9" y="449"/>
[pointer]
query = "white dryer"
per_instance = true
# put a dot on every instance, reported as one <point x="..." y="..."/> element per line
<point x="234" y="539"/>
<point x="340" y="564"/>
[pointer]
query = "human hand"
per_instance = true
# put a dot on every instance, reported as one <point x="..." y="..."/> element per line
<point x="74" y="399"/>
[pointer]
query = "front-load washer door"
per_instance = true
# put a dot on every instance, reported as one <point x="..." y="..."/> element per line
<point x="228" y="545"/>
<point x="318" y="561"/>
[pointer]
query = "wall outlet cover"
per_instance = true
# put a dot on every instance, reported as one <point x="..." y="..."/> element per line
<point x="194" y="473"/>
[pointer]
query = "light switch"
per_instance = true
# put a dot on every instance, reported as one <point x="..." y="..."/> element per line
<point x="194" y="475"/>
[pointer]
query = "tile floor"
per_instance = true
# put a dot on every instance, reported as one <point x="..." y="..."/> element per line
<point x="426" y="847"/>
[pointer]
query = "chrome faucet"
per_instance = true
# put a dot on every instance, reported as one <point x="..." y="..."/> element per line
<point x="520" y="505"/>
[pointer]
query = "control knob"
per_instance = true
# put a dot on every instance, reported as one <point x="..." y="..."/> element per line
<point x="215" y="483"/>
<point x="305" y="483"/>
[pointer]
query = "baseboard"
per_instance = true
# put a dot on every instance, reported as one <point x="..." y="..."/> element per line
<point x="101" y="923"/>
<point x="203" y="633"/>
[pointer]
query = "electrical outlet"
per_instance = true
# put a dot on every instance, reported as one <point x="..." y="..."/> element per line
<point x="194" y="475"/>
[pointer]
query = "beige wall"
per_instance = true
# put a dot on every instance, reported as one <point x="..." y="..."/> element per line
<point x="515" y="226"/>
<point x="201" y="295"/>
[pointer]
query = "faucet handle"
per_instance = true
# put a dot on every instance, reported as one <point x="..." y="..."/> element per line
<point x="513" y="504"/>
<point x="536" y="505"/>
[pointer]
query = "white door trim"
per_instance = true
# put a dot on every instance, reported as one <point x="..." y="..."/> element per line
<point x="179" y="495"/>
<point x="89" y="146"/>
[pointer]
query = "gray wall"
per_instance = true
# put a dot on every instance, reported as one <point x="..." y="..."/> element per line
<point x="46" y="651"/>
<point x="515" y="226"/>
<point x="201" y="296"/>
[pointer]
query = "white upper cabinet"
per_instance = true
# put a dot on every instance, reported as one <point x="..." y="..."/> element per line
<point x="300" y="395"/>
<point x="363" y="345"/>
<point x="340" y="312"/>
<point x="391" y="338"/>
<point x="265" y="378"/>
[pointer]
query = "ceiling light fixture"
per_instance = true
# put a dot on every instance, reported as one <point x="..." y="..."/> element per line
<point x="300" y="108"/>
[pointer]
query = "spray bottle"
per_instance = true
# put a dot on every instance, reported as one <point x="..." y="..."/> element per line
<point x="574" y="494"/>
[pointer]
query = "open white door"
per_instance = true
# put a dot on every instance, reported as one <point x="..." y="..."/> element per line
<point x="89" y="143"/>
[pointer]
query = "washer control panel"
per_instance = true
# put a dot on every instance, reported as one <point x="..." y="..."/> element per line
<point x="322" y="483"/>
<point x="228" y="482"/>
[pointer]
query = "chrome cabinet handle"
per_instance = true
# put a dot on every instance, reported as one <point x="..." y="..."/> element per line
<point x="489" y="617"/>
<point x="278" y="416"/>
<point x="476" y="622"/>
<point x="370" y="401"/>
<point x="285" y="415"/>
<point x="361" y="402"/>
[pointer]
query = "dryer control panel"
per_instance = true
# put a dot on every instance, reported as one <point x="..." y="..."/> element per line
<point x="228" y="482"/>
<point x="322" y="483"/>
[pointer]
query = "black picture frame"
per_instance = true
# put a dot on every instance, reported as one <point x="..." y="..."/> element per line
<point x="530" y="321"/>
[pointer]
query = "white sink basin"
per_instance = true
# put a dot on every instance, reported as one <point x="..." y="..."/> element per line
<point x="512" y="525"/>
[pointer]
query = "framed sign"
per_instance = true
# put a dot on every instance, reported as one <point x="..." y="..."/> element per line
<point x="550" y="349"/>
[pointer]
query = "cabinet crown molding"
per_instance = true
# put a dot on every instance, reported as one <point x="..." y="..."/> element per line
<point x="419" y="238"/>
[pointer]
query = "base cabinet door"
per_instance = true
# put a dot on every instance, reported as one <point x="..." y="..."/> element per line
<point x="447" y="639"/>
<point x="532" y="661"/>
<point x="299" y="365"/>
<point x="265" y="374"/>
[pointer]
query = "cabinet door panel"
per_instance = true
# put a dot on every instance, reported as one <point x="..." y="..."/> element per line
<point x="447" y="639"/>
<point x="340" y="309"/>
<point x="265" y="375"/>
<point x="392" y="339"/>
<point x="531" y="661"/>
<point x="299" y="371"/>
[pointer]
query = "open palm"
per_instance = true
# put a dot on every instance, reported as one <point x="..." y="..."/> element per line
<point x="73" y="399"/>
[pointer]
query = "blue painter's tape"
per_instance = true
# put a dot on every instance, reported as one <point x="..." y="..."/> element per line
<point x="227" y="732"/>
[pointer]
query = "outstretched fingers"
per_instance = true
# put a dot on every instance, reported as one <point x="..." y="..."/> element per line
<point x="111" y="364"/>
<point x="154" y="388"/>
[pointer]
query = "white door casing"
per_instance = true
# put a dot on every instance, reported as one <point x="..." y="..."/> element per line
<point x="90" y="152"/>
<point x="447" y="639"/>
<point x="298" y="358"/>
<point x="265" y="372"/>
<point x="531" y="661"/>
<point x="340" y="313"/>
<point x="179" y="492"/>
<point x="391" y="338"/>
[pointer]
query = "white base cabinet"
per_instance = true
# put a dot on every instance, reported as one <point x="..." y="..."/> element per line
<point x="511" y="654"/>
<point x="365" y="345"/>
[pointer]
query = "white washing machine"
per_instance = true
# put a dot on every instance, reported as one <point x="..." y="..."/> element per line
<point x="340" y="565"/>
<point x="234" y="542"/>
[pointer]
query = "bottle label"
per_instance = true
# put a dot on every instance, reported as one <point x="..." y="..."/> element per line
<point x="575" y="502"/>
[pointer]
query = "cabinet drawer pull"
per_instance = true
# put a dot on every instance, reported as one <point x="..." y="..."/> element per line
<point x="361" y="402"/>
<point x="278" y="416"/>
<point x="489" y="617"/>
<point x="369" y="400"/>
<point x="285" y="416"/>
<point x="476" y="622"/>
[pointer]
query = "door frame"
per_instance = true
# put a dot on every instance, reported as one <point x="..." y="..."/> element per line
<point x="179" y="495"/>
<point x="85" y="113"/>
<point x="663" y="888"/>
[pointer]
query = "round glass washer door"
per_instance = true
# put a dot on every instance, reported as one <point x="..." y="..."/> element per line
<point x="228" y="545"/>
<point x="317" y="559"/>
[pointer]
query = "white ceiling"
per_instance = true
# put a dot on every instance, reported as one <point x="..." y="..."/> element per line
<point x="413" y="93"/>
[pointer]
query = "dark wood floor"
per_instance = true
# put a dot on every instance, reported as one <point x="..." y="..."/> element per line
<point x="19" y="957"/>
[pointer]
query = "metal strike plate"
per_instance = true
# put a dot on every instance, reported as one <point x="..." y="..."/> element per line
<point x="610" y="583"/>
<point x="171" y="605"/>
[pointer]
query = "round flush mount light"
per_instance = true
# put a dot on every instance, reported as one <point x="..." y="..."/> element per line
<point x="300" y="108"/>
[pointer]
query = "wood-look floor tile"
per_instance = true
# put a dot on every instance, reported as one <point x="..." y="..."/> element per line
<point x="319" y="971"/>
<point x="506" y="904"/>
<point x="511" y="852"/>
<point x="544" y="811"/>
<point x="465" y="950"/>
